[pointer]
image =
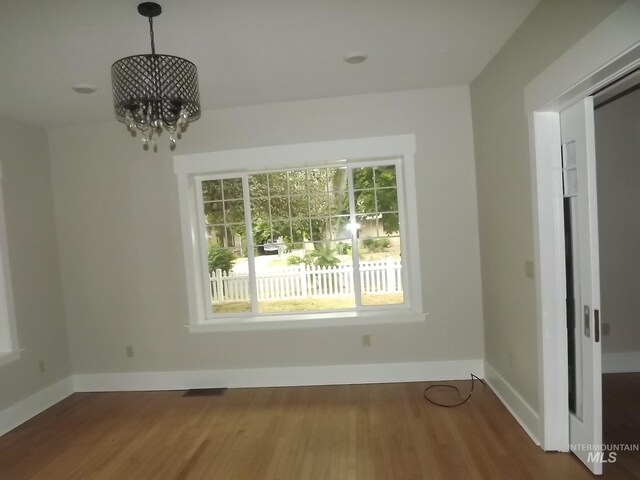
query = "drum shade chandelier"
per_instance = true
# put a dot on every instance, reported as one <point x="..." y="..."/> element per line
<point x="153" y="92"/>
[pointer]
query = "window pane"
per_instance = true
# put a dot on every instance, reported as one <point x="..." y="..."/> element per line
<point x="230" y="291"/>
<point x="278" y="183"/>
<point x="340" y="227"/>
<point x="381" y="272"/>
<point x="338" y="202"/>
<point x="363" y="178"/>
<point x="365" y="201"/>
<point x="299" y="205"/>
<point x="231" y="236"/>
<point x="262" y="232"/>
<point x="379" y="246"/>
<point x="279" y="207"/>
<point x="213" y="214"/>
<point x="386" y="200"/>
<point x="337" y="179"/>
<point x="319" y="204"/>
<point x="385" y="176"/>
<point x="211" y="190"/>
<point x="320" y="229"/>
<point x="234" y="211"/>
<point x="388" y="224"/>
<point x="226" y="245"/>
<point x="232" y="188"/>
<point x="259" y="207"/>
<point x="281" y="230"/>
<point x="297" y="182"/>
<point x="258" y="185"/>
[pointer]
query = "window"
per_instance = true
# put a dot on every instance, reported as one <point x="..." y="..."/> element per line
<point x="312" y="240"/>
<point x="8" y="336"/>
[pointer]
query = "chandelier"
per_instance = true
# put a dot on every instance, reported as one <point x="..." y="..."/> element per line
<point x="152" y="92"/>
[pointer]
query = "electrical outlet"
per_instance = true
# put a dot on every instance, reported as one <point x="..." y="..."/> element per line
<point x="606" y="329"/>
<point x="129" y="350"/>
<point x="41" y="366"/>
<point x="528" y="269"/>
<point x="366" y="340"/>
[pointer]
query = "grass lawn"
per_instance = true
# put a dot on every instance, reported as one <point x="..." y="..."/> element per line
<point x="309" y="304"/>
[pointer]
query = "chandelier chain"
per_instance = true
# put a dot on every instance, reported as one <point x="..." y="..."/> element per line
<point x="153" y="42"/>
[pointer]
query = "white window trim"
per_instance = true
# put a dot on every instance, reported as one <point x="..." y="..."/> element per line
<point x="9" y="350"/>
<point x="188" y="167"/>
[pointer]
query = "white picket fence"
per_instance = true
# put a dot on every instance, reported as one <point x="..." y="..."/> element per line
<point x="307" y="281"/>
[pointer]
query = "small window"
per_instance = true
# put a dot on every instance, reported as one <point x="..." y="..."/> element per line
<point x="298" y="243"/>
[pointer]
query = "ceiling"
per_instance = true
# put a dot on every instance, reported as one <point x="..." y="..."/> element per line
<point x="247" y="51"/>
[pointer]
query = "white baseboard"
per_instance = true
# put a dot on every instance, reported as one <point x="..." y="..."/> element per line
<point x="517" y="406"/>
<point x="280" y="376"/>
<point x="19" y="413"/>
<point x="627" y="362"/>
<point x="31" y="406"/>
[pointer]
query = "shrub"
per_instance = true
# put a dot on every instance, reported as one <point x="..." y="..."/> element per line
<point x="343" y="248"/>
<point x="376" y="244"/>
<point x="294" y="260"/>
<point x="220" y="258"/>
<point x="323" y="256"/>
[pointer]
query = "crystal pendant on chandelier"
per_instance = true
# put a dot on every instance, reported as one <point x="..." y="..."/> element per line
<point x="154" y="92"/>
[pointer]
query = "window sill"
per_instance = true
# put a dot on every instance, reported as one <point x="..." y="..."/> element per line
<point x="8" y="357"/>
<point x="338" y="319"/>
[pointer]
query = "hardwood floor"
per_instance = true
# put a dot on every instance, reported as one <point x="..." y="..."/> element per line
<point x="364" y="432"/>
<point x="621" y="422"/>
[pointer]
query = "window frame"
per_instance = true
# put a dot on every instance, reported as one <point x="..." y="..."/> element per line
<point x="9" y="349"/>
<point x="192" y="170"/>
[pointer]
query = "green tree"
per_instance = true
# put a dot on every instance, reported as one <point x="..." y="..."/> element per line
<point x="376" y="194"/>
<point x="220" y="258"/>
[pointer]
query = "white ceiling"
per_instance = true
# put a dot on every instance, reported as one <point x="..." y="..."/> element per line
<point x="247" y="51"/>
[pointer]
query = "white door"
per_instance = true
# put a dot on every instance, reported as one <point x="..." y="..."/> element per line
<point x="583" y="283"/>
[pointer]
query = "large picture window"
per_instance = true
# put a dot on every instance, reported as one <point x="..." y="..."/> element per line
<point x="326" y="237"/>
<point x="313" y="239"/>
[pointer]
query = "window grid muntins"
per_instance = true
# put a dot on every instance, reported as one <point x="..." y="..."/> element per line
<point x="383" y="209"/>
<point x="288" y="199"/>
<point x="304" y="210"/>
<point x="223" y="210"/>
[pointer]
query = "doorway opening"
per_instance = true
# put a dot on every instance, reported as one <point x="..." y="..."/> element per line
<point x="617" y="133"/>
<point x="581" y="72"/>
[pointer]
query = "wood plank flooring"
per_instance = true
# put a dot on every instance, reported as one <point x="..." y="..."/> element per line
<point x="621" y="422"/>
<point x="350" y="432"/>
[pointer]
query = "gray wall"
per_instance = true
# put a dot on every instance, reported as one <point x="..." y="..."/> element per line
<point x="121" y="254"/>
<point x="504" y="182"/>
<point x="34" y="263"/>
<point x="618" y="171"/>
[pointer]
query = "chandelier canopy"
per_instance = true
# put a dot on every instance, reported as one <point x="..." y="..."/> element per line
<point x="153" y="92"/>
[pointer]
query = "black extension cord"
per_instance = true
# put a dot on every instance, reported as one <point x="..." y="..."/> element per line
<point x="443" y="385"/>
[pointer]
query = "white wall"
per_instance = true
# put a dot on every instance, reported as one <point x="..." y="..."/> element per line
<point x="618" y="171"/>
<point x="119" y="234"/>
<point x="504" y="188"/>
<point x="34" y="264"/>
